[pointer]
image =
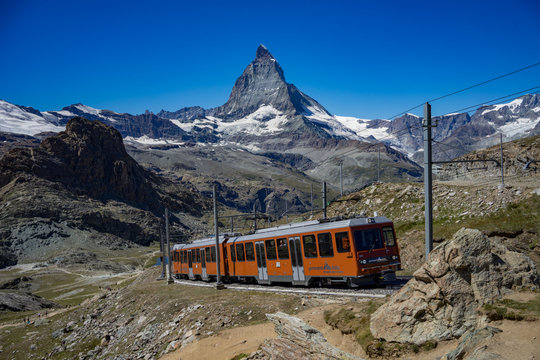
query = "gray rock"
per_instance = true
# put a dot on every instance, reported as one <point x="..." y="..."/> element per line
<point x="470" y="345"/>
<point x="297" y="340"/>
<point x="23" y="302"/>
<point x="442" y="299"/>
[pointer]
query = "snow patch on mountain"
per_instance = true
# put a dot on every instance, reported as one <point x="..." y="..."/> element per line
<point x="265" y="120"/>
<point x="145" y="140"/>
<point x="512" y="105"/>
<point x="16" y="120"/>
<point x="518" y="127"/>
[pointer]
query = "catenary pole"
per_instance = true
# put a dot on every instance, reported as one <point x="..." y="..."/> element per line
<point x="162" y="249"/>
<point x="502" y="162"/>
<point x="311" y="199"/>
<point x="341" y="177"/>
<point x="219" y="284"/>
<point x="428" y="214"/>
<point x="324" y="199"/>
<point x="379" y="165"/>
<point x="169" y="262"/>
<point x="255" y="216"/>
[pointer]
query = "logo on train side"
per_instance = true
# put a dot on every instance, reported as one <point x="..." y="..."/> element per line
<point x="327" y="269"/>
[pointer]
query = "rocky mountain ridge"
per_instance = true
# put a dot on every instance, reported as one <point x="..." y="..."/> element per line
<point x="263" y="108"/>
<point x="81" y="185"/>
<point x="270" y="118"/>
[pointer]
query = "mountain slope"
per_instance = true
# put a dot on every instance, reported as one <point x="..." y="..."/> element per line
<point x="81" y="187"/>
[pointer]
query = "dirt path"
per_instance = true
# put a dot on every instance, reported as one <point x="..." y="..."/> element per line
<point x="226" y="344"/>
<point x="35" y="317"/>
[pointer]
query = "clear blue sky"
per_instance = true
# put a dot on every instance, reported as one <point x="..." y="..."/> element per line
<point x="370" y="59"/>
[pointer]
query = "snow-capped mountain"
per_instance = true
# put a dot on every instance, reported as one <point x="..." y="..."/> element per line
<point x="26" y="120"/>
<point x="264" y="113"/>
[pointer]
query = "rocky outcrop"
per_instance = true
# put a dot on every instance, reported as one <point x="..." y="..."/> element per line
<point x="23" y="302"/>
<point x="297" y="340"/>
<point x="442" y="299"/>
<point x="79" y="189"/>
<point x="89" y="158"/>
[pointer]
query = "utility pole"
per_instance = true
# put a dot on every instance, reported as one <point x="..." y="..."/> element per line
<point x="341" y="177"/>
<point x="502" y="163"/>
<point x="311" y="199"/>
<point x="162" y="249"/>
<point x="232" y="225"/>
<point x="255" y="216"/>
<point x="324" y="199"/>
<point x="428" y="204"/>
<point x="169" y="263"/>
<point x="379" y="166"/>
<point x="219" y="284"/>
<point x="286" y="212"/>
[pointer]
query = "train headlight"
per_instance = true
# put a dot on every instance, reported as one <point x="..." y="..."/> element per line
<point x="363" y="262"/>
<point x="394" y="257"/>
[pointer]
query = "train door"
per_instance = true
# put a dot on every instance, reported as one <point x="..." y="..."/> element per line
<point x="261" y="260"/>
<point x="190" y="264"/>
<point x="203" y="264"/>
<point x="296" y="259"/>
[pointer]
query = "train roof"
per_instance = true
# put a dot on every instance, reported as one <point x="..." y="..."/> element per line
<point x="288" y="229"/>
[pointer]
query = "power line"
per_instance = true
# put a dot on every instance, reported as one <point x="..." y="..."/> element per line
<point x="467" y="88"/>
<point x="493" y="100"/>
<point x="484" y="82"/>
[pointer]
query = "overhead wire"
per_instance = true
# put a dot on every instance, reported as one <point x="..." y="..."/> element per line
<point x="467" y="88"/>
<point x="474" y="107"/>
<point x="381" y="141"/>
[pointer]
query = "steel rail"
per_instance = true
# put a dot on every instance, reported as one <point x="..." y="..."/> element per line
<point x="285" y="291"/>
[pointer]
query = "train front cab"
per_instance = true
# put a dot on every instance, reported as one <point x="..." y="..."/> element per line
<point x="376" y="253"/>
<point x="358" y="255"/>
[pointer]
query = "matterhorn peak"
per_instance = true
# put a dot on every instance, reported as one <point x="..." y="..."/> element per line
<point x="263" y="53"/>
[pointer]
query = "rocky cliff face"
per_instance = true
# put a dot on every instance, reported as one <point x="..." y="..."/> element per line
<point x="77" y="185"/>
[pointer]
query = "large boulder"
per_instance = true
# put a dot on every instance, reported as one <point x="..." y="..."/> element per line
<point x="441" y="301"/>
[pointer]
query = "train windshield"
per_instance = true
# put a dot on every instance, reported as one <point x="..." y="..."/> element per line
<point x="367" y="239"/>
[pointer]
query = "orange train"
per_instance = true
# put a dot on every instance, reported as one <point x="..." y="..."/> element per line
<point x="355" y="251"/>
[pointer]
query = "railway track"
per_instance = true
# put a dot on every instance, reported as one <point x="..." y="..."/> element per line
<point x="362" y="292"/>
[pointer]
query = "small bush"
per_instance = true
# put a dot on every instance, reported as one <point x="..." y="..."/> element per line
<point x="240" y="356"/>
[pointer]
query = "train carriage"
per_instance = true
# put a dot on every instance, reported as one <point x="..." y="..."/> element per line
<point x="355" y="251"/>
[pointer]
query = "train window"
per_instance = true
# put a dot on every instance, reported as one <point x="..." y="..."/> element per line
<point x="342" y="242"/>
<point x="240" y="252"/>
<point x="325" y="244"/>
<point x="271" y="249"/>
<point x="233" y="253"/>
<point x="197" y="255"/>
<point x="213" y="251"/>
<point x="208" y="255"/>
<point x="367" y="239"/>
<point x="250" y="253"/>
<point x="310" y="248"/>
<point x="388" y="236"/>
<point x="282" y="249"/>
